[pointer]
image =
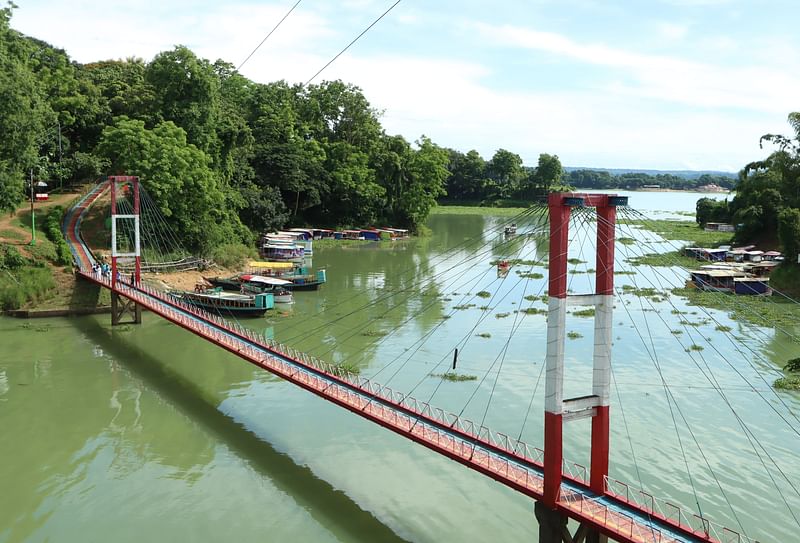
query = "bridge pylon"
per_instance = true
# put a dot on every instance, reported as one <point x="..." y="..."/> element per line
<point x="595" y="405"/>
<point x="121" y="306"/>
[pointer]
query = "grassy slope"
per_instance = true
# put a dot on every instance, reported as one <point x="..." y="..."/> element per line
<point x="43" y="284"/>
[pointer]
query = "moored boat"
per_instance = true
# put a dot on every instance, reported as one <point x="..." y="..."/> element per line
<point x="288" y="252"/>
<point x="716" y="280"/>
<point x="259" y="284"/>
<point x="218" y="301"/>
<point x="753" y="286"/>
<point x="302" y="278"/>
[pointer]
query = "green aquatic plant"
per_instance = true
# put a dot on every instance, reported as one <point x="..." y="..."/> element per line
<point x="374" y="333"/>
<point x="793" y="365"/>
<point x="455" y="377"/>
<point x="534" y="311"/>
<point x="787" y="383"/>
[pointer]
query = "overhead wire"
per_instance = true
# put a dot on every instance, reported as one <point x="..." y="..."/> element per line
<point x="274" y="28"/>
<point x="340" y="53"/>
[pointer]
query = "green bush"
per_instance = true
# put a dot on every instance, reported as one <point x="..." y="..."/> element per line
<point x="233" y="255"/>
<point x="27" y="284"/>
<point x="52" y="229"/>
<point x="10" y="258"/>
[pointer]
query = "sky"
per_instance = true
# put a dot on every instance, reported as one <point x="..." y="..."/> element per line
<point x="658" y="84"/>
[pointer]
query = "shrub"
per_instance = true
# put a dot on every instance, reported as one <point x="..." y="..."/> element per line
<point x="233" y="255"/>
<point x="10" y="258"/>
<point x="52" y="229"/>
<point x="28" y="284"/>
<point x="793" y="365"/>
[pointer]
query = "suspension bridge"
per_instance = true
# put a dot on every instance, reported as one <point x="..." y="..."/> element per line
<point x="602" y="507"/>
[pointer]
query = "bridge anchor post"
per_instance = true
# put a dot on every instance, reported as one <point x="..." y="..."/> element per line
<point x="120" y="307"/>
<point x="553" y="528"/>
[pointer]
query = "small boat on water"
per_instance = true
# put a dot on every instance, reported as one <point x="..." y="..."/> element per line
<point x="257" y="284"/>
<point x="510" y="230"/>
<point x="301" y="277"/>
<point x="218" y="301"/>
<point x="289" y="252"/>
<point x="715" y="280"/>
<point x="730" y="279"/>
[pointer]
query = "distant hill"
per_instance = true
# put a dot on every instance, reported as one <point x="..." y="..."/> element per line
<point x="686" y="174"/>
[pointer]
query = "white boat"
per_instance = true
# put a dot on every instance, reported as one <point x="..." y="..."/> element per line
<point x="260" y="283"/>
<point x="285" y="252"/>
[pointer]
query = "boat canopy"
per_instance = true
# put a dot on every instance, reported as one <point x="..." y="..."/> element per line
<point x="274" y="281"/>
<point x="719" y="273"/>
<point x="261" y="264"/>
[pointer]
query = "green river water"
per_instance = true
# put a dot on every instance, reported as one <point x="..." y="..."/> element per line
<point x="149" y="433"/>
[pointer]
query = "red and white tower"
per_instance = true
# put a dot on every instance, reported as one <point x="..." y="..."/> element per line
<point x="595" y="405"/>
<point x="133" y="181"/>
<point x="121" y="306"/>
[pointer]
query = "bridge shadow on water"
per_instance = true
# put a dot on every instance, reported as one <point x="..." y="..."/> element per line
<point x="332" y="508"/>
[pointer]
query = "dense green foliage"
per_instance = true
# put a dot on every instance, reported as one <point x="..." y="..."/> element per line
<point x="28" y="283"/>
<point x="224" y="158"/>
<point x="768" y="195"/>
<point x="711" y="210"/>
<point x="52" y="229"/>
<point x="501" y="180"/>
<point x="21" y="281"/>
<point x="598" y="179"/>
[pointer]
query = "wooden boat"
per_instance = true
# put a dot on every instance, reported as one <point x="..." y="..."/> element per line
<point x="220" y="302"/>
<point x="232" y="283"/>
<point x="257" y="284"/>
<point x="284" y="252"/>
<point x="753" y="286"/>
<point x="301" y="277"/>
<point x="716" y="280"/>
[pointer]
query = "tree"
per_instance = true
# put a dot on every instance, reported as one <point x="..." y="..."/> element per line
<point x="710" y="210"/>
<point x="24" y="114"/>
<point x="506" y="172"/>
<point x="467" y="180"/>
<point x="123" y="86"/>
<point x="413" y="178"/>
<point x="548" y="172"/>
<point x="187" y="93"/>
<point x="179" y="178"/>
<point x="789" y="232"/>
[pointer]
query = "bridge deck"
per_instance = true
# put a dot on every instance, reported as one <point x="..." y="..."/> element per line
<point x="508" y="461"/>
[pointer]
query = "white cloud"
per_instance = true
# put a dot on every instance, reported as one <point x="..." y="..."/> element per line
<point x="672" y="31"/>
<point x="635" y="117"/>
<point x="666" y="78"/>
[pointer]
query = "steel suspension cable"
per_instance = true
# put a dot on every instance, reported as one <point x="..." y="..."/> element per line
<point x="736" y="346"/>
<point x="382" y="298"/>
<point x="748" y="433"/>
<point x="414" y="270"/>
<point x="668" y="394"/>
